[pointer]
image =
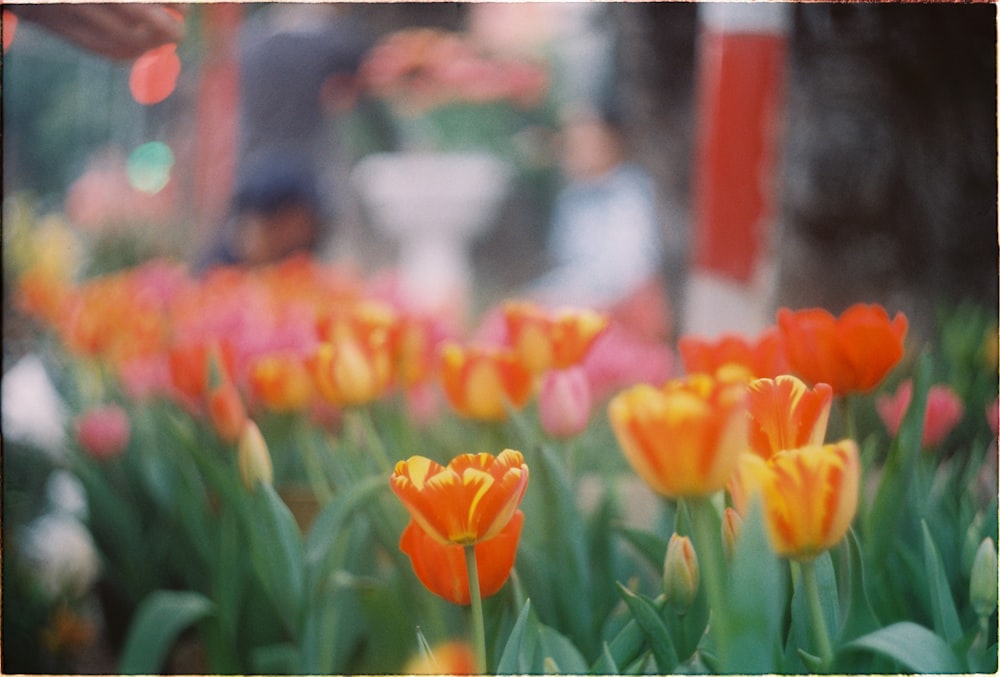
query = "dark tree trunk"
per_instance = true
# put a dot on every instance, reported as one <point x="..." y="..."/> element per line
<point x="888" y="184"/>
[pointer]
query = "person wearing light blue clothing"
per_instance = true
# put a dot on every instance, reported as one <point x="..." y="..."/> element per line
<point x="605" y="242"/>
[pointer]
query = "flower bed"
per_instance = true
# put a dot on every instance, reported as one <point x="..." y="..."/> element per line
<point x="317" y="481"/>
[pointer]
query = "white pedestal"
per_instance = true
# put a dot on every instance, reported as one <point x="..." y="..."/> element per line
<point x="434" y="206"/>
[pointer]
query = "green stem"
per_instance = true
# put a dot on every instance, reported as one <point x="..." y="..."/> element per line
<point x="478" y="624"/>
<point x="850" y="426"/>
<point x="817" y="621"/>
<point x="366" y="432"/>
<point x="318" y="481"/>
<point x="708" y="544"/>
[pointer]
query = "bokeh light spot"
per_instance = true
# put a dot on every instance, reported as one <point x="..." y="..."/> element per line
<point x="154" y="74"/>
<point x="148" y="167"/>
<point x="9" y="28"/>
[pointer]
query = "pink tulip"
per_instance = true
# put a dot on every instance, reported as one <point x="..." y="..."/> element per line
<point x="103" y="432"/>
<point x="564" y="402"/>
<point x="944" y="411"/>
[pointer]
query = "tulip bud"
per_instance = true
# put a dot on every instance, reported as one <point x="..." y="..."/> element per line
<point x="253" y="458"/>
<point x="732" y="525"/>
<point x="564" y="402"/>
<point x="103" y="432"/>
<point x="680" y="573"/>
<point x="983" y="579"/>
<point x="227" y="411"/>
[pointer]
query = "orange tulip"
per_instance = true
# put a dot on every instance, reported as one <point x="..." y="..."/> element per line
<point x="853" y="352"/>
<point x="353" y="363"/>
<point x="281" y="382"/>
<point x="450" y="658"/>
<point x="352" y="370"/>
<point x="442" y="568"/>
<point x="785" y="414"/>
<point x="468" y="501"/>
<point x="480" y="381"/>
<point x="191" y="365"/>
<point x="414" y="342"/>
<point x="544" y="340"/>
<point x="761" y="357"/>
<point x="683" y="439"/>
<point x="809" y="496"/>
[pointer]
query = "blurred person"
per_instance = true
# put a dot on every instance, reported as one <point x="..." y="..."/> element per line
<point x="605" y="237"/>
<point x="298" y="72"/>
<point x="606" y="252"/>
<point x="112" y="30"/>
<point x="275" y="212"/>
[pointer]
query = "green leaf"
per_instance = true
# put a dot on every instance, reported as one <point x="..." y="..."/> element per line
<point x="558" y="531"/>
<point x="800" y="638"/>
<point x="755" y="603"/>
<point x="858" y="617"/>
<point x="561" y="651"/>
<point x="899" y="471"/>
<point x="158" y="621"/>
<point x="609" y="664"/>
<point x="275" y="659"/>
<point x="913" y="646"/>
<point x="229" y="575"/>
<point x="657" y="635"/>
<point x="946" y="623"/>
<point x="512" y="657"/>
<point x="814" y="664"/>
<point x="336" y="546"/>
<point x="328" y="526"/>
<point x="625" y="647"/>
<point x="653" y="548"/>
<point x="277" y="554"/>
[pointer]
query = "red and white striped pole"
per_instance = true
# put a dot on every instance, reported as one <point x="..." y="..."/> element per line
<point x="740" y="82"/>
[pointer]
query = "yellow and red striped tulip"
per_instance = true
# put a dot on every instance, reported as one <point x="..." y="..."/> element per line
<point x="442" y="567"/>
<point x="809" y="496"/>
<point x="683" y="439"/>
<point x="480" y="382"/>
<point x="785" y="414"/>
<point x="557" y="339"/>
<point x="468" y="501"/>
<point x="853" y="352"/>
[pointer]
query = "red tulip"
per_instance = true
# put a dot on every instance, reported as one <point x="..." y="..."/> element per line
<point x="853" y="352"/>
<point x="442" y="568"/>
